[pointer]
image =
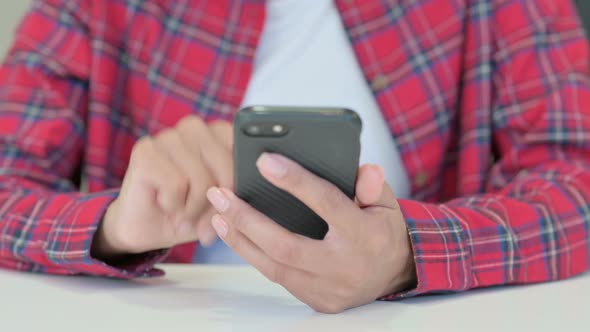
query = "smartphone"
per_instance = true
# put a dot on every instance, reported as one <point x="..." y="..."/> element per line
<point x="325" y="141"/>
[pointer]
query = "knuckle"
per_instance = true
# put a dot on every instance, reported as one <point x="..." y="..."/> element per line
<point x="178" y="184"/>
<point x="221" y="125"/>
<point x="190" y="123"/>
<point x="195" y="202"/>
<point x="143" y="147"/>
<point x="167" y="135"/>
<point x="331" y="199"/>
<point x="328" y="307"/>
<point x="199" y="185"/>
<point x="284" y="251"/>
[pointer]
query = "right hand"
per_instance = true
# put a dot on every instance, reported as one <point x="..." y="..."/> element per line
<point x="162" y="201"/>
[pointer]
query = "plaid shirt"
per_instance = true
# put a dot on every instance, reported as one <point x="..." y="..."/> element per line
<point x="488" y="101"/>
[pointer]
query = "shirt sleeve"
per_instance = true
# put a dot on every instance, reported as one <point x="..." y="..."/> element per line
<point x="45" y="224"/>
<point x="532" y="223"/>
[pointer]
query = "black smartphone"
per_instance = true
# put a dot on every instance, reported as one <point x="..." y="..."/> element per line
<point x="326" y="141"/>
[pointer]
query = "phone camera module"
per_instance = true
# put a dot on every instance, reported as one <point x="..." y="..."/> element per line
<point x="265" y="130"/>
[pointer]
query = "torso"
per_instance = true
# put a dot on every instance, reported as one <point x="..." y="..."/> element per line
<point x="158" y="61"/>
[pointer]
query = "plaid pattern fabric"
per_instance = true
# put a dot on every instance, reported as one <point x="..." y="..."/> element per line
<point x="488" y="102"/>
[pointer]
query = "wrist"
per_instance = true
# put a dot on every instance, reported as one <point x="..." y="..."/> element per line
<point x="104" y="245"/>
<point x="405" y="278"/>
<point x="409" y="278"/>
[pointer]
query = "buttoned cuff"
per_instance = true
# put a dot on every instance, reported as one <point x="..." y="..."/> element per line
<point x="441" y="252"/>
<point x="69" y="241"/>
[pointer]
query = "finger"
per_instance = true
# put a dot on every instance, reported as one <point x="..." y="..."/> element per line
<point x="372" y="190"/>
<point x="387" y="198"/>
<point x="189" y="230"/>
<point x="205" y="232"/>
<point x="198" y="137"/>
<point x="276" y="241"/>
<point x="223" y="131"/>
<point x="369" y="185"/>
<point x="157" y="170"/>
<point x="197" y="229"/>
<point x="171" y="144"/>
<point x="321" y="196"/>
<point x="207" y="236"/>
<point x="305" y="286"/>
<point x="245" y="248"/>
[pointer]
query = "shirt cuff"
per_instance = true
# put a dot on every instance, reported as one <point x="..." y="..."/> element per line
<point x="441" y="253"/>
<point x="70" y="241"/>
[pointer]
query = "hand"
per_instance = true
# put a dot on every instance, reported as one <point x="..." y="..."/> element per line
<point x="162" y="201"/>
<point x="366" y="253"/>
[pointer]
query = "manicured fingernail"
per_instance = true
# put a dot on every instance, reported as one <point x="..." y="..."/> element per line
<point x="217" y="199"/>
<point x="272" y="165"/>
<point x="219" y="225"/>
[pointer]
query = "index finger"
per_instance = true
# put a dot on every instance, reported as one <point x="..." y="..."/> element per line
<point x="323" y="197"/>
<point x="276" y="241"/>
<point x="223" y="131"/>
<point x="199" y="137"/>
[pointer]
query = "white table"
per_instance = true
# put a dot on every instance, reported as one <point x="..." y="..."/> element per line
<point x="217" y="298"/>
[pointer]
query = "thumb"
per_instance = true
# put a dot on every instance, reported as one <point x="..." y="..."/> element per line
<point x="387" y="198"/>
<point x="372" y="190"/>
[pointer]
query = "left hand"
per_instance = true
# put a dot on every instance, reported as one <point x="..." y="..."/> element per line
<point x="366" y="253"/>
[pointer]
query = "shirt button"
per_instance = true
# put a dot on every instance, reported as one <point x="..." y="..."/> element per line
<point x="421" y="179"/>
<point x="379" y="82"/>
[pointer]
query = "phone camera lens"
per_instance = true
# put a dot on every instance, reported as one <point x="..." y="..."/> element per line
<point x="253" y="130"/>
<point x="277" y="129"/>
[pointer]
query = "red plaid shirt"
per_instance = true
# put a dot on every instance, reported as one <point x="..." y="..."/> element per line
<point x="488" y="101"/>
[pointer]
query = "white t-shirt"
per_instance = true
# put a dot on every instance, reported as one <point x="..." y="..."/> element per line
<point x="305" y="58"/>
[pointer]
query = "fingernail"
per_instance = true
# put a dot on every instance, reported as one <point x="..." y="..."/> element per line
<point x="217" y="199"/>
<point x="272" y="165"/>
<point x="219" y="225"/>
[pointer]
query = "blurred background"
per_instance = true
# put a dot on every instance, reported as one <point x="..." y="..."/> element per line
<point x="12" y="10"/>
